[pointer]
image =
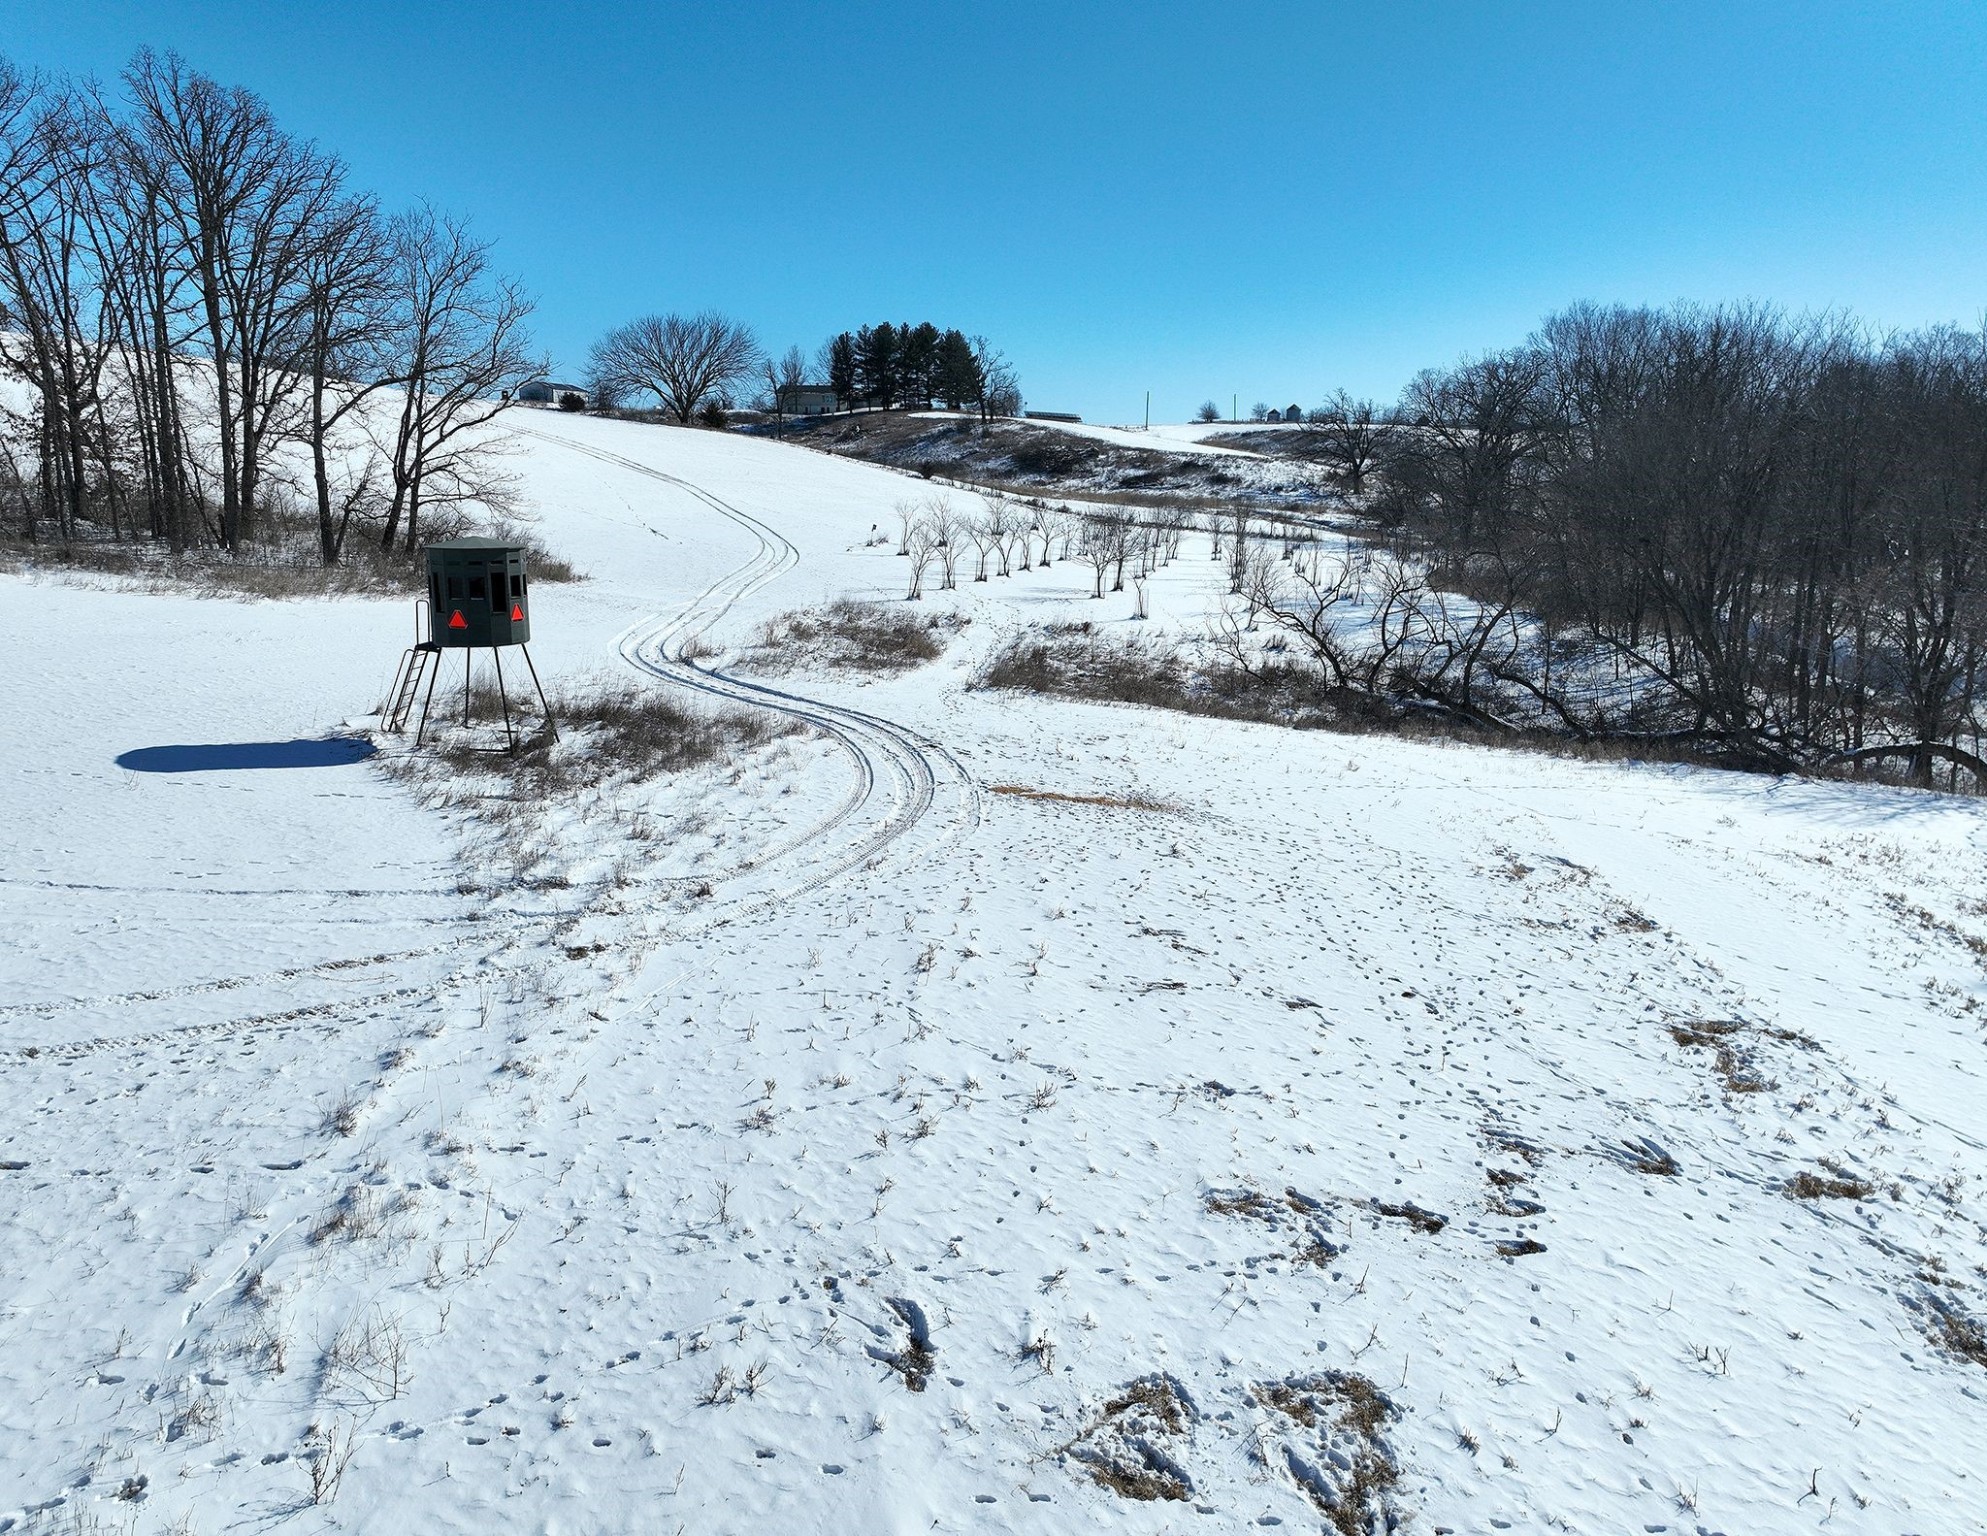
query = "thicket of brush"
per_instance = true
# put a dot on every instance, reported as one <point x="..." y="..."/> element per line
<point x="1073" y="661"/>
<point x="1723" y="528"/>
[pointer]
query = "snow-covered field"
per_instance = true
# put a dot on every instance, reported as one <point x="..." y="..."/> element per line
<point x="959" y="1117"/>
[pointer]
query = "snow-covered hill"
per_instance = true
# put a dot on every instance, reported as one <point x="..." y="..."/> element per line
<point x="1060" y="458"/>
<point x="981" y="1113"/>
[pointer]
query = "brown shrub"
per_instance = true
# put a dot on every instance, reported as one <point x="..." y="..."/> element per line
<point x="617" y="731"/>
<point x="869" y="637"/>
<point x="1731" y="1061"/>
<point x="1813" y="1186"/>
<point x="1958" y="1335"/>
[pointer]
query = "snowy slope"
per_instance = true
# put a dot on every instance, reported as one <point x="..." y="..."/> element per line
<point x="1159" y="438"/>
<point x="1235" y="1069"/>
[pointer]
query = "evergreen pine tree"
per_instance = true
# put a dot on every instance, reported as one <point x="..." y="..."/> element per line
<point x="917" y="367"/>
<point x="956" y="374"/>
<point x="876" y="364"/>
<point x="842" y="369"/>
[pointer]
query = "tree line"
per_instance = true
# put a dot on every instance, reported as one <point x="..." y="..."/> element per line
<point x="1760" y="535"/>
<point x="883" y="366"/>
<point x="696" y="367"/>
<point x="208" y="318"/>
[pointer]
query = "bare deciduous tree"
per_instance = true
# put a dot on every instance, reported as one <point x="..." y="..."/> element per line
<point x="1106" y="541"/>
<point x="460" y="348"/>
<point x="1052" y="521"/>
<point x="1349" y="435"/>
<point x="999" y="523"/>
<point x="348" y="289"/>
<point x="1000" y="386"/>
<point x="177" y="257"/>
<point x="783" y="374"/>
<point x="921" y="546"/>
<point x="685" y="362"/>
<point x="246" y="201"/>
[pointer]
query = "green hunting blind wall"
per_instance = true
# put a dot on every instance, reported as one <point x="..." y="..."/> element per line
<point x="478" y="593"/>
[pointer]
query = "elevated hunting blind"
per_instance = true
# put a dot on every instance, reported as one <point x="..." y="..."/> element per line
<point x="479" y="596"/>
<point x="476" y="593"/>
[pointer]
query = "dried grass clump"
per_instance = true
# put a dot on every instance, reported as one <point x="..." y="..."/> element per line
<point x="280" y="560"/>
<point x="868" y="637"/>
<point x="1645" y="1156"/>
<point x="1309" y="1218"/>
<point x="1134" y="801"/>
<point x="361" y="1212"/>
<point x="1337" y="1451"/>
<point x="1074" y="661"/>
<point x="612" y="732"/>
<point x="1413" y="1215"/>
<point x="1241" y="1202"/>
<point x="1813" y="1186"/>
<point x="1723" y="1038"/>
<point x="1125" y="1448"/>
<point x="915" y="1362"/>
<point x="197" y="1418"/>
<point x="1932" y="923"/>
<point x="1957" y="1334"/>
<point x="342" y="1118"/>
<point x="368" y="1356"/>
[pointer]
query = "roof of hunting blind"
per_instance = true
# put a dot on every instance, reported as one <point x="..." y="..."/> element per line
<point x="476" y="543"/>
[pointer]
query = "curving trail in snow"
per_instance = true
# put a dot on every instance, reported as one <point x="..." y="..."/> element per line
<point x="1245" y="1059"/>
<point x="899" y="775"/>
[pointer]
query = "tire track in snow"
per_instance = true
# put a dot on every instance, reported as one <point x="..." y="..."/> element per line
<point x="890" y="762"/>
<point x="229" y="983"/>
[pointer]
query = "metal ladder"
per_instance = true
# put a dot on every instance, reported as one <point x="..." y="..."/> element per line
<point x="417" y="662"/>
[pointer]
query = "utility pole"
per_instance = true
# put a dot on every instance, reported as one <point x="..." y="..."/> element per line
<point x="1234" y="407"/>
<point x="1148" y="410"/>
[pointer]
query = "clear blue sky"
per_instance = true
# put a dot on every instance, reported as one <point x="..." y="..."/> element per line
<point x="1204" y="199"/>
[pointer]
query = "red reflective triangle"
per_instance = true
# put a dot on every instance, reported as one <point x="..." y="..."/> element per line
<point x="517" y="613"/>
<point x="457" y="621"/>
